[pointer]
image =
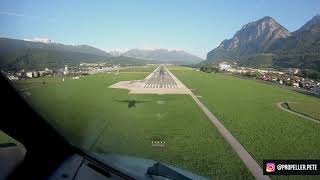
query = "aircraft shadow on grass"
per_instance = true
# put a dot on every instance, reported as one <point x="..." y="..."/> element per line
<point x="131" y="102"/>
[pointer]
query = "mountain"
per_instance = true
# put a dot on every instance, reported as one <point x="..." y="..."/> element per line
<point x="124" y="60"/>
<point x="254" y="37"/>
<point x="311" y="25"/>
<point x="156" y="55"/>
<point x="265" y="43"/>
<point x="164" y="55"/>
<point x="302" y="49"/>
<point x="86" y="49"/>
<point x="9" y="45"/>
<point x="116" y="51"/>
<point x="19" y="54"/>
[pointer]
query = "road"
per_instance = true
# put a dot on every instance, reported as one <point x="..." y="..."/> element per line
<point x="161" y="79"/>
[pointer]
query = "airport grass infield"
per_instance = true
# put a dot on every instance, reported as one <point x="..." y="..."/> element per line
<point x="96" y="117"/>
<point x="248" y="109"/>
<point x="306" y="108"/>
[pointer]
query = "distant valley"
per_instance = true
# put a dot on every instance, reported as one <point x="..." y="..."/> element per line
<point x="158" y="54"/>
<point x="164" y="55"/>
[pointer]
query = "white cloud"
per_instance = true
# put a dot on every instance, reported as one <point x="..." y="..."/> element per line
<point x="120" y="51"/>
<point x="11" y="14"/>
<point x="168" y="49"/>
<point x="7" y="13"/>
<point x="116" y="51"/>
<point x="40" y="39"/>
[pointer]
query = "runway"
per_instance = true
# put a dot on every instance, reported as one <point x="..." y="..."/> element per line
<point x="161" y="79"/>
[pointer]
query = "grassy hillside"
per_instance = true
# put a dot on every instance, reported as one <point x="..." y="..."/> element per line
<point x="17" y="54"/>
<point x="38" y="59"/>
<point x="259" y="60"/>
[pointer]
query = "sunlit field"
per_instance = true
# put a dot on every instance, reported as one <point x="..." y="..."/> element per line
<point x="249" y="110"/>
<point x="306" y="108"/>
<point x="104" y="120"/>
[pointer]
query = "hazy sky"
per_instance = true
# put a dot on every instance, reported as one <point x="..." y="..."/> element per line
<point x="196" y="26"/>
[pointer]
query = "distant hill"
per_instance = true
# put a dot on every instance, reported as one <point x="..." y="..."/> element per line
<point x="268" y="44"/>
<point x="164" y="55"/>
<point x="10" y="45"/>
<point x="19" y="54"/>
<point x="130" y="61"/>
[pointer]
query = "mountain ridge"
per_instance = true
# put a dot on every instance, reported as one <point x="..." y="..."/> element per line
<point x="299" y="49"/>
<point x="20" y="54"/>
<point x="17" y="44"/>
<point x="251" y="38"/>
<point x="165" y="55"/>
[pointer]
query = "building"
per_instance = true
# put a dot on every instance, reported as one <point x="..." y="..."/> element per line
<point x="11" y="77"/>
<point x="35" y="74"/>
<point x="29" y="74"/>
<point x="262" y="71"/>
<point x="48" y="71"/>
<point x="65" y="70"/>
<point x="295" y="84"/>
<point x="224" y="66"/>
<point x="41" y="73"/>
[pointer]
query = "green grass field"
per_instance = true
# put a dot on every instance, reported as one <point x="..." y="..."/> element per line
<point x="98" y="118"/>
<point x="248" y="109"/>
<point x="43" y="81"/>
<point x="306" y="108"/>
